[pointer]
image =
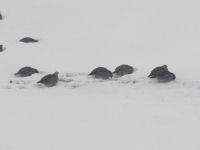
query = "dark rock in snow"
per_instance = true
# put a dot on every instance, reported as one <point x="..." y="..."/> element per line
<point x="26" y="71"/>
<point x="156" y="71"/>
<point x="123" y="70"/>
<point x="49" y="80"/>
<point x="101" y="73"/>
<point x="28" y="40"/>
<point x="166" y="76"/>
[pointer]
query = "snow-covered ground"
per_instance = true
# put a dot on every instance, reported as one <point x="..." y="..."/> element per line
<point x="81" y="113"/>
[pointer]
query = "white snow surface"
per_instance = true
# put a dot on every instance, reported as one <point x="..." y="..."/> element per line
<point x="81" y="113"/>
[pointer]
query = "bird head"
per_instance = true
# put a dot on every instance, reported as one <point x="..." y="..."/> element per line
<point x="56" y="73"/>
<point x="165" y="66"/>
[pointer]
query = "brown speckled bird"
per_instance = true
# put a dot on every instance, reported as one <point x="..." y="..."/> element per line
<point x="101" y="73"/>
<point x="49" y="80"/>
<point x="26" y="71"/>
<point x="156" y="71"/>
<point x="123" y="70"/>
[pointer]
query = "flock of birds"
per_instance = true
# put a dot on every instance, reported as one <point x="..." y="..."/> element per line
<point x="161" y="73"/>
